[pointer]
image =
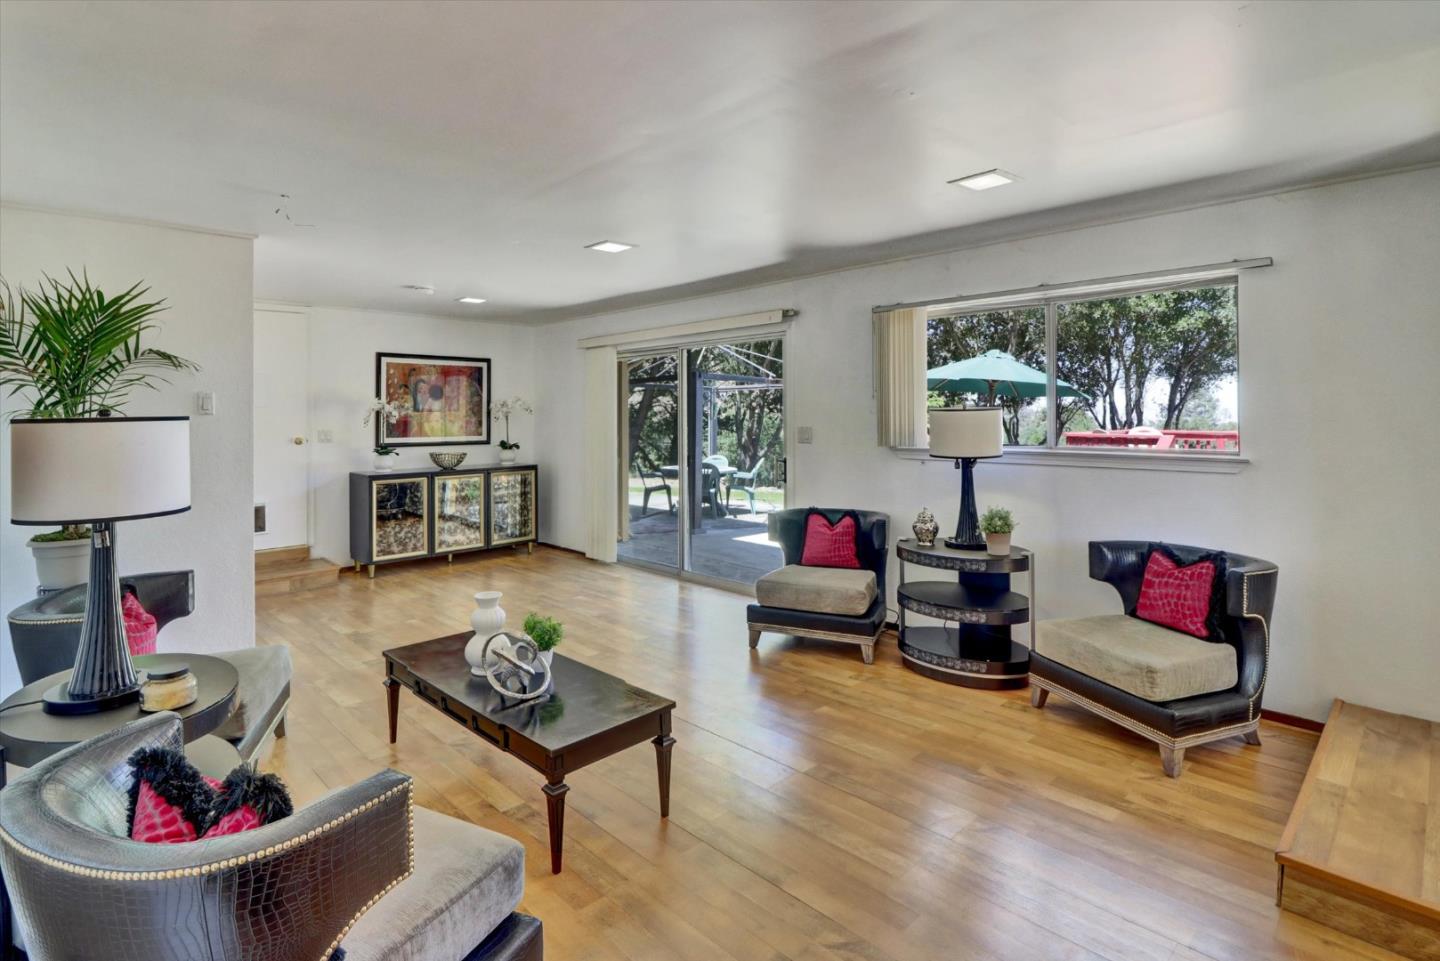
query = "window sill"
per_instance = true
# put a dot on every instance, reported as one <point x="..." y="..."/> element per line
<point x="1112" y="459"/>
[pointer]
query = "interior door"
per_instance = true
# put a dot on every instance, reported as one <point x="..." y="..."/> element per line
<point x="282" y="432"/>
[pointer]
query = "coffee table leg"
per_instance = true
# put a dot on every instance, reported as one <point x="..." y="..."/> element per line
<point x="392" y="697"/>
<point x="663" y="744"/>
<point x="555" y="810"/>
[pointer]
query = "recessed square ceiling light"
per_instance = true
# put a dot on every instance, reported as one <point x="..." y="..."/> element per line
<point x="609" y="246"/>
<point x="986" y="179"/>
<point x="469" y="300"/>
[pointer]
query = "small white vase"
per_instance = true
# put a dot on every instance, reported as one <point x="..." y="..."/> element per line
<point x="998" y="544"/>
<point x="487" y="618"/>
<point x="546" y="657"/>
<point x="508" y="456"/>
<point x="382" y="461"/>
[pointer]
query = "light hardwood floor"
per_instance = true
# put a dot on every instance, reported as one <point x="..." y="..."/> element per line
<point x="822" y="810"/>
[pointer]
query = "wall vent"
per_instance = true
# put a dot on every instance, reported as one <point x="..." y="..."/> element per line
<point x="259" y="518"/>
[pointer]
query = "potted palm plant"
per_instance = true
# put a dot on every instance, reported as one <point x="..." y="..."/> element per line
<point x="997" y="525"/>
<point x="73" y="353"/>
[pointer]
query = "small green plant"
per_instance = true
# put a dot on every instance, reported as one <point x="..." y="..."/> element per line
<point x="385" y="451"/>
<point x="77" y="352"/>
<point x="70" y="532"/>
<point x="997" y="520"/>
<point x="546" y="632"/>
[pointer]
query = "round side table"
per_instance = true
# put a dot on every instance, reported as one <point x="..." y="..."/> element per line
<point x="977" y="651"/>
<point x="29" y="735"/>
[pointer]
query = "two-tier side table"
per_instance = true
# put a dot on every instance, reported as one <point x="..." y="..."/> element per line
<point x="972" y="646"/>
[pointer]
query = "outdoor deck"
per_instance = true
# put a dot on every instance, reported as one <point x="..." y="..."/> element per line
<point x="734" y="548"/>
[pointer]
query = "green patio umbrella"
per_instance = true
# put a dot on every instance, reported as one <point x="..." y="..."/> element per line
<point x="994" y="374"/>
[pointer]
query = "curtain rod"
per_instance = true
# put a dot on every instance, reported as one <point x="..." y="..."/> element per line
<point x="1124" y="280"/>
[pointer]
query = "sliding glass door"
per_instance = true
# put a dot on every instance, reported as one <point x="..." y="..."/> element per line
<point x="650" y="508"/>
<point x="702" y="440"/>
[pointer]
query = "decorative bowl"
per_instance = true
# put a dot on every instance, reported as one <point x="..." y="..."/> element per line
<point x="447" y="460"/>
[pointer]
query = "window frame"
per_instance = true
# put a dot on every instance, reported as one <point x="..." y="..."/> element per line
<point x="1052" y="453"/>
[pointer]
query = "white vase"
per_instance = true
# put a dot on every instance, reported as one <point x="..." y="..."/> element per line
<point x="546" y="657"/>
<point x="487" y="618"/>
<point x="508" y="457"/>
<point x="61" y="564"/>
<point x="998" y="544"/>
<point x="382" y="461"/>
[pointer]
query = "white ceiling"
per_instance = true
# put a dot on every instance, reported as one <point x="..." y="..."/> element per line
<point x="478" y="147"/>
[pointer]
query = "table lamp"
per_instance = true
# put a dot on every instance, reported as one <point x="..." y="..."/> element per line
<point x="965" y="435"/>
<point x="98" y="471"/>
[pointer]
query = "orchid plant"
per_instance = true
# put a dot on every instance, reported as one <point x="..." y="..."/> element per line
<point x="391" y="410"/>
<point x="503" y="411"/>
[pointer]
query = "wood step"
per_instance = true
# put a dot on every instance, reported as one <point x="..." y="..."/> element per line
<point x="306" y="575"/>
<point x="281" y="557"/>
<point x="1360" y="850"/>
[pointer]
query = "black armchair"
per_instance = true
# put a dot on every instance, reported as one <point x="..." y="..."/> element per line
<point x="1180" y="722"/>
<point x="826" y="603"/>
<point x="46" y="631"/>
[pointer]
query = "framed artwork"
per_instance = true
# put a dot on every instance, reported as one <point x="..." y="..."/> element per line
<point x="443" y="400"/>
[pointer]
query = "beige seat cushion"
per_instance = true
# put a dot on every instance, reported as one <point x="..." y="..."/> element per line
<point x="466" y="881"/>
<point x="1144" y="659"/>
<point x="823" y="590"/>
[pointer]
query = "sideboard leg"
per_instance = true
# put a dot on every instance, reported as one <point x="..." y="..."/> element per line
<point x="371" y="568"/>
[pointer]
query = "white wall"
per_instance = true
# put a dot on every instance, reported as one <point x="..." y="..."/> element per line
<point x="1340" y="362"/>
<point x="207" y="280"/>
<point x="343" y="344"/>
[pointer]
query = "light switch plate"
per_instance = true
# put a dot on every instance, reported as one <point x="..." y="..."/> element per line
<point x="805" y="435"/>
<point x="205" y="402"/>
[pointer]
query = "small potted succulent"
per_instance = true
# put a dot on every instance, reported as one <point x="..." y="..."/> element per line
<point x="997" y="525"/>
<point x="503" y="412"/>
<point x="546" y="632"/>
<point x="62" y="558"/>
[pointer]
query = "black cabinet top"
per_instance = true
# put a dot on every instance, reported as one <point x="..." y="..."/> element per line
<point x="426" y="471"/>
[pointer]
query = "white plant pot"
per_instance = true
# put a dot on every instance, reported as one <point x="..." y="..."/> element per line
<point x="487" y="618"/>
<point x="998" y="544"/>
<point x="508" y="457"/>
<point x="383" y="461"/>
<point x="546" y="657"/>
<point x="61" y="564"/>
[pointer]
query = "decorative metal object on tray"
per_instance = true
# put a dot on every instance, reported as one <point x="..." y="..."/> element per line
<point x="925" y="528"/>
<point x="514" y="667"/>
<point x="447" y="460"/>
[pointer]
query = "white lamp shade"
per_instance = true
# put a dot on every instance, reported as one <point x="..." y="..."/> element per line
<point x="83" y="471"/>
<point x="966" y="432"/>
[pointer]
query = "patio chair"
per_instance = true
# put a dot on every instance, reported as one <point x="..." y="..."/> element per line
<point x="745" y="482"/>
<point x="653" y="482"/>
<point x="710" y="488"/>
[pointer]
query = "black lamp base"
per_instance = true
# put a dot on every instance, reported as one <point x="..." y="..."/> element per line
<point x="59" y="700"/>
<point x="957" y="545"/>
<point x="967" y="524"/>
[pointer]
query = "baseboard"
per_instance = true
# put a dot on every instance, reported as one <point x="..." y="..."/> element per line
<point x="557" y="547"/>
<point x="1291" y="720"/>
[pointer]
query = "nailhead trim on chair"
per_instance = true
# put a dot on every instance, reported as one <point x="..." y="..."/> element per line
<point x="1264" y="628"/>
<point x="409" y="868"/>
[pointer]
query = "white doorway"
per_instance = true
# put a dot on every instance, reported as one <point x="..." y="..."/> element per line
<point x="282" y="429"/>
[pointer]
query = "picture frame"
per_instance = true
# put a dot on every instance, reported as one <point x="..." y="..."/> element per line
<point x="445" y="401"/>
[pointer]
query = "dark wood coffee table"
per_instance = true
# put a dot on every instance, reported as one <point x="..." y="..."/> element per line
<point x="588" y="715"/>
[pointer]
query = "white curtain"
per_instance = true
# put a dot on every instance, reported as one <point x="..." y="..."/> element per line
<point x="602" y="451"/>
<point x="900" y="377"/>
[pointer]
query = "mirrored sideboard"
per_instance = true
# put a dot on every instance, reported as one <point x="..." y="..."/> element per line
<point x="427" y="512"/>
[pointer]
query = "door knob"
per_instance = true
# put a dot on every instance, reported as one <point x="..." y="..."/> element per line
<point x="297" y="441"/>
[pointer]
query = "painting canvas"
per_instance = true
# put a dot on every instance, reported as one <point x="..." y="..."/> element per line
<point x="443" y="400"/>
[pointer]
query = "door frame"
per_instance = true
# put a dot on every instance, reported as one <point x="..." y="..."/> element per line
<point x="681" y="349"/>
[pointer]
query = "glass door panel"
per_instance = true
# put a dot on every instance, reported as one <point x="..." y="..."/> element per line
<point x="459" y="512"/>
<point x="400" y="515"/>
<point x="650" y="448"/>
<point x="512" y="506"/>
<point x="736" y="421"/>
